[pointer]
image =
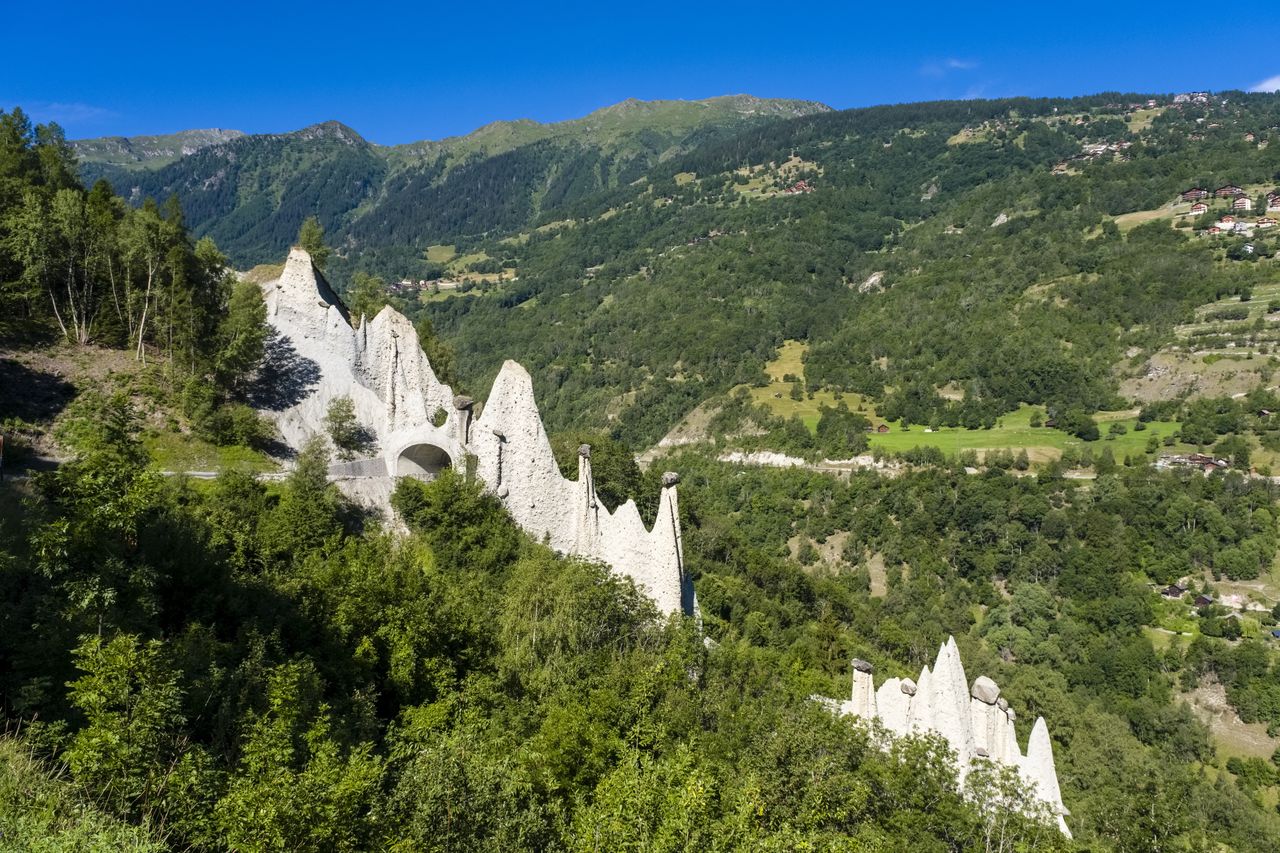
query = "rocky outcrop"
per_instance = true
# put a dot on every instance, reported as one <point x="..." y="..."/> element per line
<point x="974" y="720"/>
<point x="421" y="427"/>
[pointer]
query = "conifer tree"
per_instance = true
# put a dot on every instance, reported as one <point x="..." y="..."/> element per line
<point x="311" y="238"/>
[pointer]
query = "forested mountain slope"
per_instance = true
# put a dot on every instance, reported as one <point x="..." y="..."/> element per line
<point x="977" y="244"/>
<point x="252" y="193"/>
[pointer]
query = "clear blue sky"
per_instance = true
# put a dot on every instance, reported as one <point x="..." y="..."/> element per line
<point x="400" y="72"/>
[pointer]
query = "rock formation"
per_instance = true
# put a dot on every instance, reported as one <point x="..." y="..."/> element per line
<point x="421" y="428"/>
<point x="975" y="721"/>
<point x="320" y="353"/>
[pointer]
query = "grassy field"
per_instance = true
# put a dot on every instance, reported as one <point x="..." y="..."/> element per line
<point x="177" y="452"/>
<point x="441" y="254"/>
<point x="1012" y="432"/>
<point x="777" y="394"/>
<point x="1140" y="120"/>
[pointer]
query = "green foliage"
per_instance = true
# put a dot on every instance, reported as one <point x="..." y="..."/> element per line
<point x="311" y="238"/>
<point x="344" y="430"/>
<point x="243" y="336"/>
<point x="366" y="296"/>
<point x="465" y="526"/>
<point x="296" y="788"/>
<point x="44" y="813"/>
<point x="614" y="471"/>
<point x="132" y="708"/>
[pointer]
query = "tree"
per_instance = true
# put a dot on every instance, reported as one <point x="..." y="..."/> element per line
<point x="132" y="705"/>
<point x="242" y="336"/>
<point x="367" y="296"/>
<point x="344" y="430"/>
<point x="439" y="354"/>
<point x="311" y="238"/>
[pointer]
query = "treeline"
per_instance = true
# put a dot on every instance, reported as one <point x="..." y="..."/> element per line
<point x="86" y="267"/>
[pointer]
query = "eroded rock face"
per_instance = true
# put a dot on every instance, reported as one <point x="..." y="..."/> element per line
<point x="419" y="427"/>
<point x="977" y="723"/>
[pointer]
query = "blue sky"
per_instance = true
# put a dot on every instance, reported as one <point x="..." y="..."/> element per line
<point x="399" y="72"/>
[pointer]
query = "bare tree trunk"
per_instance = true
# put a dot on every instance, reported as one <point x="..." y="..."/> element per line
<point x="58" y="314"/>
<point x="142" y="323"/>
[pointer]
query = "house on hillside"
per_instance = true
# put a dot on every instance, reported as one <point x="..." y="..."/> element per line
<point x="1214" y="230"/>
<point x="1229" y="191"/>
<point x="1203" y="601"/>
<point x="1266" y="222"/>
<point x="1195" y="194"/>
<point x="1249" y="137"/>
<point x="1174" y="590"/>
<point x="1227" y="221"/>
<point x="882" y="428"/>
<point x="1199" y="209"/>
<point x="1242" y="228"/>
<point x="1273" y="205"/>
<point x="1242" y="202"/>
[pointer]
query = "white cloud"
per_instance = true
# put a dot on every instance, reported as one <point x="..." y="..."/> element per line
<point x="65" y="114"/>
<point x="941" y="68"/>
<point x="1271" y="84"/>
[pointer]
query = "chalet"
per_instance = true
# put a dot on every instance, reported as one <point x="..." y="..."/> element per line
<point x="882" y="428"/>
<point x="1227" y="221"/>
<point x="800" y="186"/>
<point x="1214" y="230"/>
<point x="1199" y="209"/>
<point x="1242" y="202"/>
<point x="1265" y="222"/>
<point x="1229" y="191"/>
<point x="1174" y="590"/>
<point x="1273" y="205"/>
<point x="1249" y="137"/>
<point x="1195" y="194"/>
<point x="1203" y="601"/>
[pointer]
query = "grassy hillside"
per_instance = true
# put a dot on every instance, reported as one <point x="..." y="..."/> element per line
<point x="113" y="156"/>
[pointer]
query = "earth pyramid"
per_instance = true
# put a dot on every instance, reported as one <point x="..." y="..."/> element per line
<point x="419" y="427"/>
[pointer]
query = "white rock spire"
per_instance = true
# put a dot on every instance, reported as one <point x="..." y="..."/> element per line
<point x="421" y="427"/>
<point x="975" y="721"/>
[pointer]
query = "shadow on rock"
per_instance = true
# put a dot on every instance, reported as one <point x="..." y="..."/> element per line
<point x="285" y="378"/>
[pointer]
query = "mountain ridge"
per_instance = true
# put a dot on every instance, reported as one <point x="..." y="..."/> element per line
<point x="250" y="193"/>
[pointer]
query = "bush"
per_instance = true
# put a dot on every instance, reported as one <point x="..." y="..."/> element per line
<point x="236" y="423"/>
<point x="346" y="433"/>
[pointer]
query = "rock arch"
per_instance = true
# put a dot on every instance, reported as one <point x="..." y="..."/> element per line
<point x="423" y="452"/>
<point x="422" y="461"/>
